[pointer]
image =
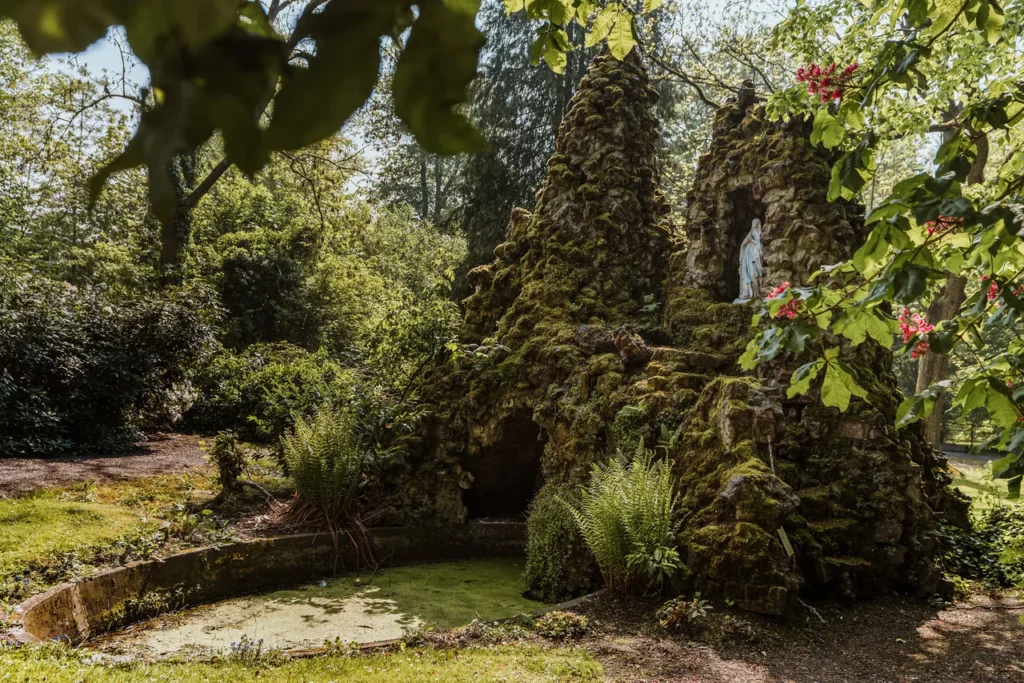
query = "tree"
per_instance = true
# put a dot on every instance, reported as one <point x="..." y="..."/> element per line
<point x="56" y="129"/>
<point x="218" y="65"/>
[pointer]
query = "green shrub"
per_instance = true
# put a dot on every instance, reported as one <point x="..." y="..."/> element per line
<point x="680" y="612"/>
<point x="262" y="284"/>
<point x="992" y="552"/>
<point x="88" y="367"/>
<point x="325" y="460"/>
<point x="628" y="518"/>
<point x="558" y="564"/>
<point x="259" y="391"/>
<point x="229" y="458"/>
<point x="562" y="625"/>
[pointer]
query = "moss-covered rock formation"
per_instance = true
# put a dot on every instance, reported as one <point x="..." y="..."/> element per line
<point x="593" y="329"/>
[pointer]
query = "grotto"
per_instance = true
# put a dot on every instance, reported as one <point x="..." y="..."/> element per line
<point x="599" y="325"/>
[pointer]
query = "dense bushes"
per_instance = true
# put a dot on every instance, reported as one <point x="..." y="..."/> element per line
<point x="993" y="552"/>
<point x="558" y="564"/>
<point x="262" y="283"/>
<point x="628" y="517"/>
<point x="325" y="460"/>
<point x="87" y="367"/>
<point x="259" y="391"/>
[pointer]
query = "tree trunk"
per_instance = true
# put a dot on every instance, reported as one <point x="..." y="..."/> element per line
<point x="174" y="238"/>
<point x="933" y="367"/>
<point x="438" y="192"/>
<point x="424" y="188"/>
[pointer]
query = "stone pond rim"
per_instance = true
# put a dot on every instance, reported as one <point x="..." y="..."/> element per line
<point x="599" y="328"/>
<point x="114" y="598"/>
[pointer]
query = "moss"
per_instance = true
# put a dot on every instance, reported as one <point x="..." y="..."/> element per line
<point x="834" y="524"/>
<point x="847" y="562"/>
<point x="587" y="262"/>
<point x="146" y="606"/>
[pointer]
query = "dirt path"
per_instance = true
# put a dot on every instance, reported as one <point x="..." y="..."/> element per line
<point x="161" y="454"/>
<point x="891" y="640"/>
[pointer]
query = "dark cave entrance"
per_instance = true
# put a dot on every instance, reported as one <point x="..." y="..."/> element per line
<point x="507" y="474"/>
<point x="744" y="210"/>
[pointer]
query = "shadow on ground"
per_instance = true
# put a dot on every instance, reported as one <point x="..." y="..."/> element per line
<point x="892" y="639"/>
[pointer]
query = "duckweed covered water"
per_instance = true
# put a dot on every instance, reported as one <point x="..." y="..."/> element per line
<point x="353" y="608"/>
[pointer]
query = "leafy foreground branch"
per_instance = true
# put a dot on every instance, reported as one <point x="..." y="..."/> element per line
<point x="958" y="224"/>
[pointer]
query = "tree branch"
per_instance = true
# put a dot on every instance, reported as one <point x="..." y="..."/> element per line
<point x="686" y="79"/>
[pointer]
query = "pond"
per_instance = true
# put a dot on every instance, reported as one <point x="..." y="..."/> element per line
<point x="356" y="608"/>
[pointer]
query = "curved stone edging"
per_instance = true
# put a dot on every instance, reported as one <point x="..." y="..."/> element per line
<point x="82" y="609"/>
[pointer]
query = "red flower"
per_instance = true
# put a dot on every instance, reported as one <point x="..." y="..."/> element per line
<point x="778" y="291"/>
<point x="915" y="325"/>
<point x="788" y="309"/>
<point x="822" y="81"/>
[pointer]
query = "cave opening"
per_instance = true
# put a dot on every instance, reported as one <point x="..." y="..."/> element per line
<point x="745" y="208"/>
<point x="507" y="474"/>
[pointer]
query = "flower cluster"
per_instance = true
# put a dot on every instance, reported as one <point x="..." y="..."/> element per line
<point x="824" y="81"/>
<point x="993" y="286"/>
<point x="943" y="224"/>
<point x="914" y="325"/>
<point x="788" y="309"/>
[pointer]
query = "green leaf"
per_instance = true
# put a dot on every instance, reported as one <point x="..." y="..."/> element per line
<point x="827" y="130"/>
<point x="66" y="25"/>
<point x="1000" y="406"/>
<point x="909" y="284"/>
<point x="621" y="39"/>
<point x="315" y="102"/>
<point x="192" y="23"/>
<point x="839" y="386"/>
<point x="651" y="5"/>
<point x="919" y="407"/>
<point x="800" y="382"/>
<point x="942" y="339"/>
<point x="467" y="7"/>
<point x="433" y="72"/>
<point x="602" y="25"/>
<point x="857" y="324"/>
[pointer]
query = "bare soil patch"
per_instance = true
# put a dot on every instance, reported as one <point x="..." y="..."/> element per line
<point x="160" y="454"/>
<point x="890" y="640"/>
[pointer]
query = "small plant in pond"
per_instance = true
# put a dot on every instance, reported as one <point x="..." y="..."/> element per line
<point x="325" y="460"/>
<point x="680" y="612"/>
<point x="341" y="648"/>
<point x="251" y="653"/>
<point x="628" y="516"/>
<point x="229" y="457"/>
<point x="562" y="625"/>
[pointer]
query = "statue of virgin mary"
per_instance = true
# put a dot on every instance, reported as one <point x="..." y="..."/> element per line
<point x="750" y="264"/>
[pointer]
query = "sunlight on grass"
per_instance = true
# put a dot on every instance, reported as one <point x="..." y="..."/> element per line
<point x="975" y="480"/>
<point x="522" y="663"/>
<point x="34" y="527"/>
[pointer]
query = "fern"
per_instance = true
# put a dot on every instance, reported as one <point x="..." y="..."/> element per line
<point x="627" y="516"/>
<point x="325" y="460"/>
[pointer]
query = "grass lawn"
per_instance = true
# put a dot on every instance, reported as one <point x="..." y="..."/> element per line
<point x="974" y="478"/>
<point x="505" y="663"/>
<point x="31" y="528"/>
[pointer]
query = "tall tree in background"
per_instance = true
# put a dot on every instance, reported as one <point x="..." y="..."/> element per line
<point x="518" y="106"/>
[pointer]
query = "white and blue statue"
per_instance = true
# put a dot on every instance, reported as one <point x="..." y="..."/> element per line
<point x="750" y="264"/>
